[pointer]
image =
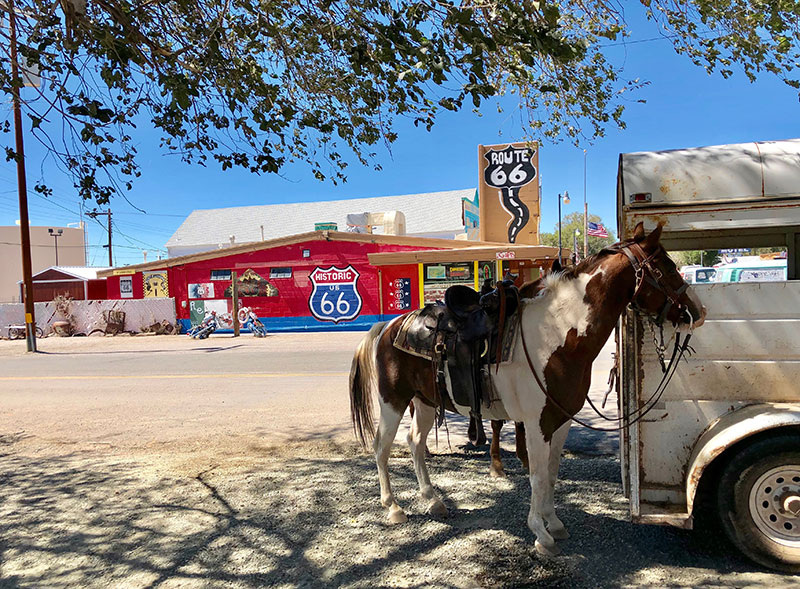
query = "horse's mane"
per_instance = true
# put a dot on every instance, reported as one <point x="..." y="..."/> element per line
<point x="553" y="279"/>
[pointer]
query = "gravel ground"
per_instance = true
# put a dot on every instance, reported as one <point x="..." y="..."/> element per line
<point x="103" y="488"/>
<point x="309" y="516"/>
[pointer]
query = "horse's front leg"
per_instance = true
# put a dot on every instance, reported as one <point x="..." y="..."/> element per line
<point x="421" y="425"/>
<point x="554" y="525"/>
<point x="384" y="437"/>
<point x="539" y="455"/>
<point x="496" y="469"/>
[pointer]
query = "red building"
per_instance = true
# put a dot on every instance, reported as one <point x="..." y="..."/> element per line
<point x="312" y="281"/>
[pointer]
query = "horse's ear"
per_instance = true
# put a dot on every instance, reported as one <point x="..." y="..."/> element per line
<point x="557" y="267"/>
<point x="638" y="232"/>
<point x="655" y="235"/>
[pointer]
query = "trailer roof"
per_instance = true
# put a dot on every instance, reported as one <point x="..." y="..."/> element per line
<point x="747" y="190"/>
<point x="718" y="173"/>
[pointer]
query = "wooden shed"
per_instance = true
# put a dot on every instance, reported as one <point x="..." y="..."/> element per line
<point x="79" y="282"/>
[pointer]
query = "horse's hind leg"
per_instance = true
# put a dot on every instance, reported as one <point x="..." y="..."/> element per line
<point x="421" y="424"/>
<point x="522" y="446"/>
<point x="475" y="433"/>
<point x="384" y="437"/>
<point x="554" y="525"/>
<point x="496" y="469"/>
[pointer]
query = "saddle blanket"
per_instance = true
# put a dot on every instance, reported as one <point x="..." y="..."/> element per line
<point x="425" y="350"/>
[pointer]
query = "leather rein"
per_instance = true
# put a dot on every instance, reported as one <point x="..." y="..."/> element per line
<point x="645" y="271"/>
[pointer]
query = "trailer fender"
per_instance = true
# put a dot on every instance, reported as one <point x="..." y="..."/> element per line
<point x="730" y="429"/>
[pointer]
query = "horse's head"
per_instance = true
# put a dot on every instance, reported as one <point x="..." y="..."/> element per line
<point x="660" y="290"/>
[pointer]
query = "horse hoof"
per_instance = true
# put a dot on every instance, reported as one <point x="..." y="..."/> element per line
<point x="437" y="508"/>
<point x="497" y="473"/>
<point x="547" y="551"/>
<point x="561" y="534"/>
<point x="397" y="516"/>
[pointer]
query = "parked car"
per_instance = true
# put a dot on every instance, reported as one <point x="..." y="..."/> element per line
<point x="694" y="274"/>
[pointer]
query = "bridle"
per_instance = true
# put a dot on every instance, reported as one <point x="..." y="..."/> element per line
<point x="647" y="272"/>
<point x="644" y="271"/>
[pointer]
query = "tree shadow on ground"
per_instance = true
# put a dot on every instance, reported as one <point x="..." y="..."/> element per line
<point x="87" y="520"/>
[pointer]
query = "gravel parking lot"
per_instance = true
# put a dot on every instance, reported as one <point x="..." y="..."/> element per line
<point x="175" y="463"/>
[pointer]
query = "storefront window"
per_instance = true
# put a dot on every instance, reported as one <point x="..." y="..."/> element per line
<point x="439" y="277"/>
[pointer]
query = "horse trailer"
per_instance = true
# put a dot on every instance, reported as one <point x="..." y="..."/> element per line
<point x="725" y="434"/>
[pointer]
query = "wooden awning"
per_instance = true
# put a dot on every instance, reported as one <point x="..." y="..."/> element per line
<point x="534" y="253"/>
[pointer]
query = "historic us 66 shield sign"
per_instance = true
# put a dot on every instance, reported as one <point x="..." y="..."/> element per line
<point x="335" y="294"/>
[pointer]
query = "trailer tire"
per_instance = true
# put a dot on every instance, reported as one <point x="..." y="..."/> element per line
<point x="758" y="502"/>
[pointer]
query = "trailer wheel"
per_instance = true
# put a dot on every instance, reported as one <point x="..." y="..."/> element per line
<point x="759" y="502"/>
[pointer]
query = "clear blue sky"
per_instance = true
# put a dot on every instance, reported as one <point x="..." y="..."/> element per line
<point x="684" y="107"/>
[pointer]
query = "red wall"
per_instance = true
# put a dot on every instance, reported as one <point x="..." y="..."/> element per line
<point x="293" y="292"/>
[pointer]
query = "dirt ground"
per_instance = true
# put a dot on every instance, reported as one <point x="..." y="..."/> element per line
<point x="206" y="496"/>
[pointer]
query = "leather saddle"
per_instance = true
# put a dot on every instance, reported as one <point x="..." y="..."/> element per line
<point x="456" y="336"/>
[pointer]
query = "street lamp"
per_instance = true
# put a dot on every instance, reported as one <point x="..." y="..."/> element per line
<point x="56" y="234"/>
<point x="565" y="198"/>
<point x="575" y="245"/>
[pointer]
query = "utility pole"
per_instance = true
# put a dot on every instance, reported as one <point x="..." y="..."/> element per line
<point x="22" y="186"/>
<point x="235" y="297"/>
<point x="94" y="214"/>
<point x="585" y="213"/>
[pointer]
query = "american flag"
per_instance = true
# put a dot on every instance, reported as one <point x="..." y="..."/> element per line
<point x="596" y="229"/>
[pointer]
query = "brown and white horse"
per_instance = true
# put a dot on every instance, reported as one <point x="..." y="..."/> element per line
<point x="565" y="320"/>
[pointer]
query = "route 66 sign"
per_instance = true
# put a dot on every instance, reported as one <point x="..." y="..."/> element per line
<point x="511" y="169"/>
<point x="335" y="294"/>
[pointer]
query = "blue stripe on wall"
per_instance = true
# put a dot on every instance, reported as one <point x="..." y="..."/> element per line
<point x="287" y="324"/>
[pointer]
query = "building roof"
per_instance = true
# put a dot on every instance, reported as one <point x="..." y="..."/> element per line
<point x="76" y="272"/>
<point x="433" y="212"/>
<point x="424" y="242"/>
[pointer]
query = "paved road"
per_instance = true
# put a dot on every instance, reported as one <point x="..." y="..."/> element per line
<point x="143" y="390"/>
<point x="140" y="391"/>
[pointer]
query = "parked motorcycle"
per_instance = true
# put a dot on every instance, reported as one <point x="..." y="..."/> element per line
<point x="205" y="328"/>
<point x="19" y="332"/>
<point x="250" y="321"/>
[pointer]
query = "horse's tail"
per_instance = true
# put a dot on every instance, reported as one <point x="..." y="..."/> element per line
<point x="362" y="378"/>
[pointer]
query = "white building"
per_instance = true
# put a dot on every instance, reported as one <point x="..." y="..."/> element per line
<point x="436" y="214"/>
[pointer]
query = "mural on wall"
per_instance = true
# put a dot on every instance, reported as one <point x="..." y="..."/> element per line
<point x="198" y="310"/>
<point x="399" y="295"/>
<point x="126" y="287"/>
<point x="155" y="284"/>
<point x="202" y="290"/>
<point x="252" y="284"/>
<point x="335" y="295"/>
<point x="470" y="210"/>
<point x="511" y="169"/>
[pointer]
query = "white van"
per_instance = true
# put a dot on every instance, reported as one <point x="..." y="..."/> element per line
<point x="752" y="271"/>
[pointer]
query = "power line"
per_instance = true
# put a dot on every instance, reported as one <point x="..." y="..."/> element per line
<point x="131" y="247"/>
<point x="652" y="39"/>
<point x="154" y="215"/>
